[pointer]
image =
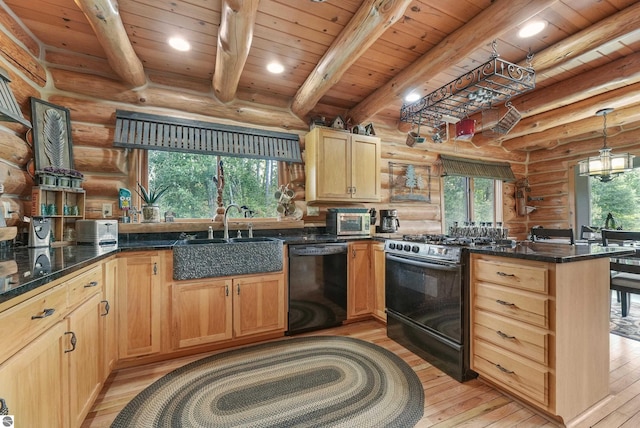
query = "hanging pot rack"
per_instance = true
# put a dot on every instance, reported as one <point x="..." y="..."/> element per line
<point x="490" y="84"/>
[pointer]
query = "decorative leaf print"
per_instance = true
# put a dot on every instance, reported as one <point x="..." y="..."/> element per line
<point x="54" y="137"/>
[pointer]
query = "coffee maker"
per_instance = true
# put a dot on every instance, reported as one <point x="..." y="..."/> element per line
<point x="389" y="222"/>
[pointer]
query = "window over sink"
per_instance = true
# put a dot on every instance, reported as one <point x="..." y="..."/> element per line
<point x="192" y="181"/>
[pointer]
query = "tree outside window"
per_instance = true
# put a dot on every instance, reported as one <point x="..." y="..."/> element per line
<point x="620" y="197"/>
<point x="193" y="189"/>
<point x="469" y="199"/>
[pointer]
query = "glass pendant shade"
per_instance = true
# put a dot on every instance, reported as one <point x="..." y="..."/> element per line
<point x="606" y="166"/>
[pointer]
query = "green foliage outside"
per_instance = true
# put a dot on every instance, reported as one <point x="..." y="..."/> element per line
<point x="620" y="197"/>
<point x="192" y="189"/>
<point x="456" y="207"/>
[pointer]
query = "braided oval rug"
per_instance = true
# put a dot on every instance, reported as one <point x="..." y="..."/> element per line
<point x="322" y="381"/>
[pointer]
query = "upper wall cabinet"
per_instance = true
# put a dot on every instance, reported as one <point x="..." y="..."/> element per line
<point x="341" y="166"/>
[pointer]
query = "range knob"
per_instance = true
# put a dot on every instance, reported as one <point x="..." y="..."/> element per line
<point x="407" y="247"/>
<point x="392" y="245"/>
<point x="415" y="249"/>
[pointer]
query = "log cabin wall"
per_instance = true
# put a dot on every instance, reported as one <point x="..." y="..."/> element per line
<point x="93" y="99"/>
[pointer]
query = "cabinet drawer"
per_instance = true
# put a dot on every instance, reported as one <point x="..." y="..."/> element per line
<point x="530" y="380"/>
<point x="23" y="322"/>
<point x="522" y="306"/>
<point x="84" y="285"/>
<point x="513" y="336"/>
<point x="526" y="277"/>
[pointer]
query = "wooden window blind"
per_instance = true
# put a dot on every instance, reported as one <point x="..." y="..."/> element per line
<point x="475" y="168"/>
<point x="154" y="132"/>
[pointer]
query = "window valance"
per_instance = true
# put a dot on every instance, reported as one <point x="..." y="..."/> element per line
<point x="475" y="168"/>
<point x="154" y="132"/>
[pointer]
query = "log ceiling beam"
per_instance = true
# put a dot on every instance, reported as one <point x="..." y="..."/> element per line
<point x="104" y="17"/>
<point x="480" y="31"/>
<point x="234" y="41"/>
<point x="371" y="20"/>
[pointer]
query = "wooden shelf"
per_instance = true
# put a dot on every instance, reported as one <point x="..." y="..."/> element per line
<point x="61" y="198"/>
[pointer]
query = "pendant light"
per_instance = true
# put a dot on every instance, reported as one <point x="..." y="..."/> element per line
<point x="606" y="166"/>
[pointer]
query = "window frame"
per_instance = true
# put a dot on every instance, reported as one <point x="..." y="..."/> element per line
<point x="498" y="206"/>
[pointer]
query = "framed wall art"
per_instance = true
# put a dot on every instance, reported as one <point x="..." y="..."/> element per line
<point x="409" y="183"/>
<point x="52" y="144"/>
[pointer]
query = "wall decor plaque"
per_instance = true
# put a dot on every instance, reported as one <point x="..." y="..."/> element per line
<point x="52" y="144"/>
<point x="409" y="183"/>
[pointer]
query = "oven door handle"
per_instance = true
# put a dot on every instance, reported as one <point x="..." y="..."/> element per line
<point x="420" y="263"/>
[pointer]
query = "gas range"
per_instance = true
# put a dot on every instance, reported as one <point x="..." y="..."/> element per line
<point x="438" y="247"/>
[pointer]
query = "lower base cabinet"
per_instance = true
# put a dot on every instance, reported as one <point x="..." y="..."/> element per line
<point x="217" y="309"/>
<point x="33" y="382"/>
<point x="360" y="290"/>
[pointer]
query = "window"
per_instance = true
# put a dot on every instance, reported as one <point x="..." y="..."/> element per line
<point x="469" y="199"/>
<point x="620" y="197"/>
<point x="193" y="193"/>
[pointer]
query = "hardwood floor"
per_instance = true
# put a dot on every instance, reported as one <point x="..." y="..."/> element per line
<point x="447" y="402"/>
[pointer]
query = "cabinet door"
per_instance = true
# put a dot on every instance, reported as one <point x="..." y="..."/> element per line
<point x="365" y="171"/>
<point x="33" y="383"/>
<point x="108" y="318"/>
<point x="258" y="304"/>
<point x="378" y="261"/>
<point x="139" y="304"/>
<point x="85" y="358"/>
<point x="360" y="287"/>
<point x="334" y="166"/>
<point x="201" y="312"/>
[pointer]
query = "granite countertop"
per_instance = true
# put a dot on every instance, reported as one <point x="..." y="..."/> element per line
<point x="25" y="269"/>
<point x="554" y="253"/>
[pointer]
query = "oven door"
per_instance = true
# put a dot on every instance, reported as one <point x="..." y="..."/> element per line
<point x="428" y="293"/>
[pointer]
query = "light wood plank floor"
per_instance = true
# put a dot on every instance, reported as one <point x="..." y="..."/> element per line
<point x="447" y="402"/>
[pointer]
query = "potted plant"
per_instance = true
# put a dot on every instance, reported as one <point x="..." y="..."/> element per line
<point x="150" y="208"/>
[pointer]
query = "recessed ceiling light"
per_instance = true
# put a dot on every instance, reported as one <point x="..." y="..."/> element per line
<point x="532" y="28"/>
<point x="275" y="67"/>
<point x="411" y="97"/>
<point x="180" y="44"/>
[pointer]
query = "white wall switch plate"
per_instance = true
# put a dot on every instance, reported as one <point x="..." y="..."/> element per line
<point x="313" y="211"/>
<point x="7" y="207"/>
<point x="107" y="210"/>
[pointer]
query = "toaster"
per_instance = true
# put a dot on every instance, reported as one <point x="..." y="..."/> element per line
<point x="97" y="232"/>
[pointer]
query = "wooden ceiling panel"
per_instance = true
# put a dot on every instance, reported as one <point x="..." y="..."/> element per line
<point x="301" y="33"/>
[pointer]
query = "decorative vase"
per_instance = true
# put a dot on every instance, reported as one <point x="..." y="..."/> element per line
<point x="151" y="213"/>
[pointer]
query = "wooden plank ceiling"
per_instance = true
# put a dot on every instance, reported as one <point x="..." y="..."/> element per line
<point x="358" y="58"/>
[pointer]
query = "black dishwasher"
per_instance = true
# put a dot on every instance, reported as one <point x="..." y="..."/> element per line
<point x="317" y="286"/>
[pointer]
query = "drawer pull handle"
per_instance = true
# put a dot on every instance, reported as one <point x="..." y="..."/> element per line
<point x="74" y="340"/>
<point x="505" y="335"/>
<point x="503" y="303"/>
<point x="91" y="284"/>
<point x="106" y="307"/>
<point x="505" y="274"/>
<point x="46" y="313"/>
<point x="503" y="370"/>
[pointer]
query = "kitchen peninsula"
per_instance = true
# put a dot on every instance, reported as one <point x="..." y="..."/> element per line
<point x="539" y="323"/>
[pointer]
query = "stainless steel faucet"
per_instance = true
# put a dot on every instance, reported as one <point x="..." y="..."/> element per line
<point x="226" y="220"/>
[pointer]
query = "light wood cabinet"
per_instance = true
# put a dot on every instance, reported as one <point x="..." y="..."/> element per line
<point x="201" y="312"/>
<point x="378" y="275"/>
<point x="340" y="166"/>
<point x="258" y="304"/>
<point x="217" y="309"/>
<point x="33" y="382"/>
<point x="360" y="290"/>
<point x="108" y="318"/>
<point x="138" y="298"/>
<point x="85" y="358"/>
<point x="540" y="331"/>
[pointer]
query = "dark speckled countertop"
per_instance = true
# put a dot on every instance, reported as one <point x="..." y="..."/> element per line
<point x="554" y="253"/>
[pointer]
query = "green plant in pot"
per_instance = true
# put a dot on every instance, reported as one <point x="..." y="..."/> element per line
<point x="150" y="208"/>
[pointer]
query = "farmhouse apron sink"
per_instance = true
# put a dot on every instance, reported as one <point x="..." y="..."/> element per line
<point x="207" y="258"/>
